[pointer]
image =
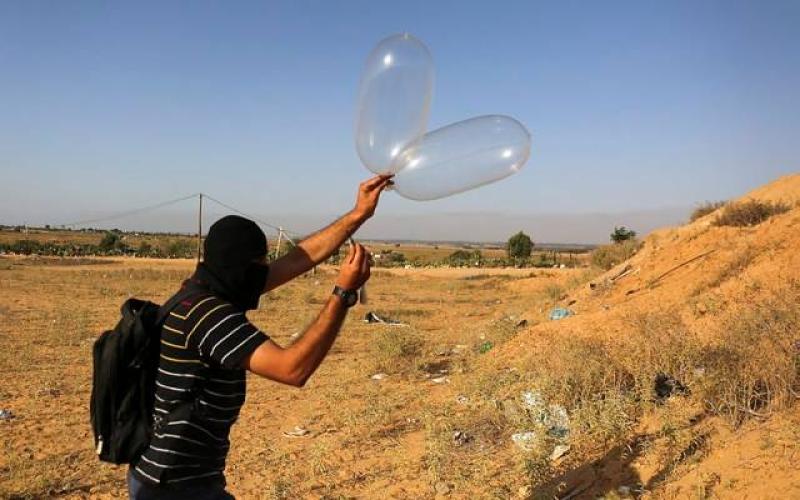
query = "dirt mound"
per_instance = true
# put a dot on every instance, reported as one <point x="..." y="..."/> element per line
<point x="697" y="270"/>
<point x="686" y="289"/>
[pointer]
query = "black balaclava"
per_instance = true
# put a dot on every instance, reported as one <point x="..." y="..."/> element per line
<point x="228" y="268"/>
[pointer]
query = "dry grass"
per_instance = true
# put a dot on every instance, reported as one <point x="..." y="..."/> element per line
<point x="395" y="437"/>
<point x="608" y="256"/>
<point x="706" y="208"/>
<point x="749" y="213"/>
<point x="753" y="368"/>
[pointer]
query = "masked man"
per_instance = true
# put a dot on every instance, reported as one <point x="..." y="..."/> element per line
<point x="207" y="344"/>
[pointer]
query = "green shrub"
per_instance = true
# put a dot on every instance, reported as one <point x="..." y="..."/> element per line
<point x="181" y="249"/>
<point x="749" y="213"/>
<point x="112" y="242"/>
<point x="464" y="258"/>
<point x="621" y="234"/>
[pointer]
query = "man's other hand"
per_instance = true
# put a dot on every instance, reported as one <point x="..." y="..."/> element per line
<point x="369" y="193"/>
<point x="355" y="268"/>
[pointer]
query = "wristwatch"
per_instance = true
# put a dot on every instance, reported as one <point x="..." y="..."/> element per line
<point x="349" y="297"/>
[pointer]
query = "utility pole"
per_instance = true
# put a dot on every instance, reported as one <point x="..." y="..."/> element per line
<point x="278" y="244"/>
<point x="200" y="228"/>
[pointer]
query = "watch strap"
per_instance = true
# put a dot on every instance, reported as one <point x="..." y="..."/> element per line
<point x="349" y="297"/>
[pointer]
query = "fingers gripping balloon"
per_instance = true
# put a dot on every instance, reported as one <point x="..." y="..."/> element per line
<point x="391" y="122"/>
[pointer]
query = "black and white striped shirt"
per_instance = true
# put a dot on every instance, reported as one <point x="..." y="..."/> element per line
<point x="200" y="389"/>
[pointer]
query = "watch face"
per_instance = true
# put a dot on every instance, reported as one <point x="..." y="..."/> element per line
<point x="350" y="298"/>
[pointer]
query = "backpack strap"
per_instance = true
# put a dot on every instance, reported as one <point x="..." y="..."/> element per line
<point x="169" y="305"/>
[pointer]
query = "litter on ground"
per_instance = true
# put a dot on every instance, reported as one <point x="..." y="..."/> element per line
<point x="297" y="432"/>
<point x="372" y="317"/>
<point x="526" y="441"/>
<point x="560" y="313"/>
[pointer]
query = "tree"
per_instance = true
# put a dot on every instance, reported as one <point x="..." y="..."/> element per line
<point x="145" y="249"/>
<point x="621" y="234"/>
<point x="465" y="258"/>
<point x="519" y="246"/>
<point x="181" y="249"/>
<point x="110" y="241"/>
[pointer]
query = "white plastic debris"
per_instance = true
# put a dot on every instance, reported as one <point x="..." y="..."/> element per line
<point x="460" y="438"/>
<point x="557" y="421"/>
<point x="553" y="418"/>
<point x="532" y="400"/>
<point x="526" y="441"/>
<point x="379" y="376"/>
<point x="297" y="432"/>
<point x="440" y="380"/>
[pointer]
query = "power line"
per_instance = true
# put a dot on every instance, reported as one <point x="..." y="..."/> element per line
<point x="120" y="215"/>
<point x="131" y="212"/>
<point x="249" y="216"/>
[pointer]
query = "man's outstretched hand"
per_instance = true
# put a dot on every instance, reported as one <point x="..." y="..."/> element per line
<point x="369" y="193"/>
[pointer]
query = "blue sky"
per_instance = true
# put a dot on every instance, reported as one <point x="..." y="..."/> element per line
<point x="633" y="106"/>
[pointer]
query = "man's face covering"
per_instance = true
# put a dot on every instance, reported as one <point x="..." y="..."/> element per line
<point x="233" y="264"/>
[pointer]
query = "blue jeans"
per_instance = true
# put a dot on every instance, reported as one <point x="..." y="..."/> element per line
<point x="139" y="490"/>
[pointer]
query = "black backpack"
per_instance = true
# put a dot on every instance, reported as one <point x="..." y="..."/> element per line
<point x="123" y="380"/>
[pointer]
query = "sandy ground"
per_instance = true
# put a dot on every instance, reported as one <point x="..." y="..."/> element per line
<point x="465" y="353"/>
<point x="367" y="436"/>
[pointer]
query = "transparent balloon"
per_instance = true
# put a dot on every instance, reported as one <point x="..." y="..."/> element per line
<point x="462" y="156"/>
<point x="393" y="100"/>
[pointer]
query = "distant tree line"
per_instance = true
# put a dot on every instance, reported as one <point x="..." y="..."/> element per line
<point x="112" y="244"/>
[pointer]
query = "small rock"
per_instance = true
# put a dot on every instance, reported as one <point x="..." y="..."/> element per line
<point x="440" y="380"/>
<point x="462" y="399"/>
<point x="379" y="376"/>
<point x="441" y="488"/>
<point x="6" y="415"/>
<point x="624" y="490"/>
<point x="559" y="451"/>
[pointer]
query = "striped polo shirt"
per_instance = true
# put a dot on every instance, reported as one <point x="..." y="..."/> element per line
<point x="200" y="388"/>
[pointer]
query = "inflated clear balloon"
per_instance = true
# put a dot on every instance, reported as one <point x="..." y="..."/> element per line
<point x="393" y="100"/>
<point x="462" y="156"/>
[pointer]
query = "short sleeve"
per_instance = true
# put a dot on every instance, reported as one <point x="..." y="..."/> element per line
<point x="225" y="337"/>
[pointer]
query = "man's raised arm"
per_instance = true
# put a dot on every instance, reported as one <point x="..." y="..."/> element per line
<point x="321" y="245"/>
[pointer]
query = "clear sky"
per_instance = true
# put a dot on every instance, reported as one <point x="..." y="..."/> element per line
<point x="633" y="106"/>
